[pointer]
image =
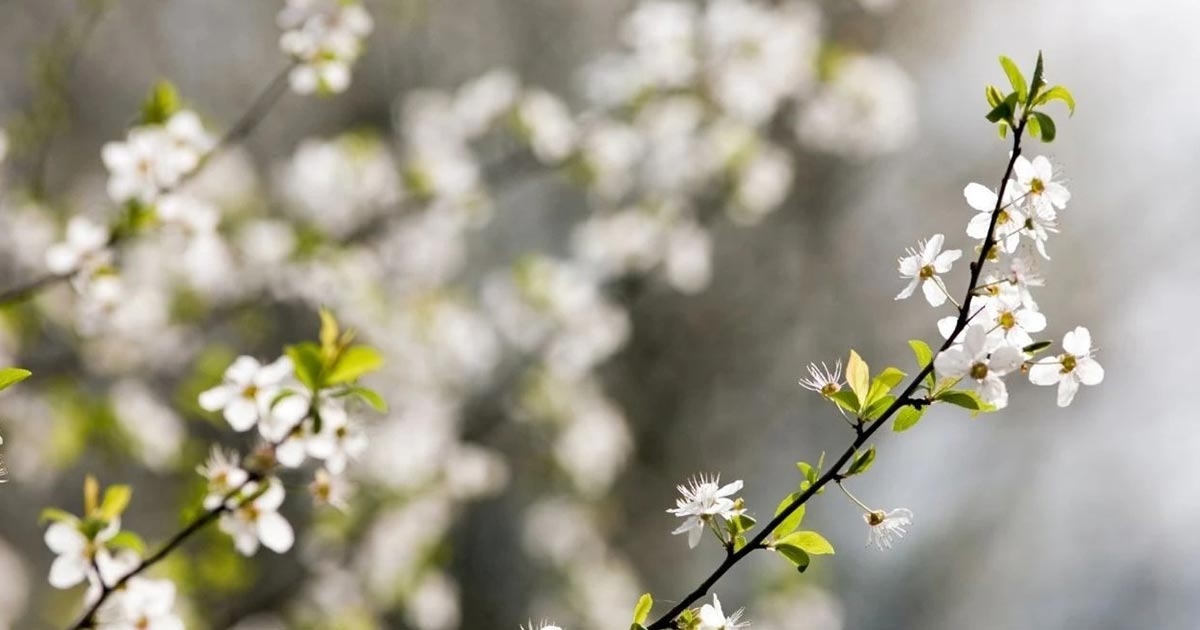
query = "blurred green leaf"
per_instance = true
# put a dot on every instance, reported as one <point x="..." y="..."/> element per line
<point x="116" y="499"/>
<point x="797" y="556"/>
<point x="354" y="362"/>
<point x="162" y="102"/>
<point x="307" y="359"/>
<point x="862" y="462"/>
<point x="642" y="610"/>
<point x="811" y="542"/>
<point x="11" y="376"/>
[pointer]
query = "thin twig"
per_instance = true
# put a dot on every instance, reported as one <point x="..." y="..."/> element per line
<point x="835" y="471"/>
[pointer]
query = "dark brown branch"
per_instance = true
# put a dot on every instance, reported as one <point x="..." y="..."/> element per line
<point x="835" y="472"/>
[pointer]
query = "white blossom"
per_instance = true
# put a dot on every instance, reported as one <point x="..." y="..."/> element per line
<point x="823" y="380"/>
<point x="1009" y="218"/>
<point x="257" y="520"/>
<point x="982" y="367"/>
<point x="712" y="617"/>
<point x="85" y="247"/>
<point x="247" y="391"/>
<point x="1074" y="367"/>
<point x="142" y="604"/>
<point x="923" y="265"/>
<point x="224" y="473"/>
<point x="884" y="528"/>
<point x="1036" y="179"/>
<point x="702" y="499"/>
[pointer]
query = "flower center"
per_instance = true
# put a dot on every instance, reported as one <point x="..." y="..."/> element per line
<point x="1036" y="186"/>
<point x="830" y="389"/>
<point x="1068" y="362"/>
<point x="1001" y="217"/>
<point x="1029" y="223"/>
<point x="875" y="518"/>
<point x="1006" y="320"/>
<point x="250" y="391"/>
<point x="927" y="272"/>
<point x="979" y="371"/>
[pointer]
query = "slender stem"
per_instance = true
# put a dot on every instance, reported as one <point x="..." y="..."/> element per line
<point x="846" y="491"/>
<point x="245" y="124"/>
<point x="835" y="471"/>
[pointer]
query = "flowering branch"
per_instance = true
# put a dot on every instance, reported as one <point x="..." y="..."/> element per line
<point x="973" y="360"/>
<point x="244" y="126"/>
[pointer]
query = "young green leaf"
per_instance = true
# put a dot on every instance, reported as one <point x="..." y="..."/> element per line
<point x="354" y="362"/>
<point x="642" y="611"/>
<point x="846" y="399"/>
<point x="966" y="399"/>
<point x="116" y="499"/>
<point x="994" y="96"/>
<point x="1015" y="78"/>
<point x="862" y="463"/>
<point x="371" y="397"/>
<point x="906" y="418"/>
<point x="811" y="542"/>
<point x="11" y="376"/>
<point x="56" y="515"/>
<point x="793" y="520"/>
<point x="126" y="539"/>
<point x="875" y="411"/>
<point x="858" y="376"/>
<point x="883" y="384"/>
<point x="306" y="357"/>
<point x="1046" y="127"/>
<point x="1035" y="86"/>
<point x="1037" y="347"/>
<point x="162" y="102"/>
<point x="795" y="555"/>
<point x="1058" y="93"/>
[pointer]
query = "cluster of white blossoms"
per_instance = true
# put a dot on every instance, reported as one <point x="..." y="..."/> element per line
<point x="155" y="158"/>
<point x="298" y="425"/>
<point x="324" y="37"/>
<point x="702" y="500"/>
<point x="999" y="338"/>
<point x="94" y="551"/>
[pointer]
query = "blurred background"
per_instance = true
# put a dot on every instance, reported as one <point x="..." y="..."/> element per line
<point x="595" y="271"/>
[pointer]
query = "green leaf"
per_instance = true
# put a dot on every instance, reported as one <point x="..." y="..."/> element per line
<point x="642" y="611"/>
<point x="858" y="376"/>
<point x="862" y="463"/>
<point x="329" y="333"/>
<point x="1037" y="347"/>
<point x="1038" y="82"/>
<point x="924" y="355"/>
<point x="795" y="555"/>
<point x="1005" y="110"/>
<point x="91" y="495"/>
<point x="116" y="499"/>
<point x="354" y="362"/>
<point x="883" y="384"/>
<point x="1058" y="93"/>
<point x="371" y="397"/>
<point x="1015" y="78"/>
<point x="789" y="524"/>
<point x="307" y="359"/>
<point x="877" y="408"/>
<point x="11" y="376"/>
<point x="1002" y="129"/>
<point x="126" y="539"/>
<point x="906" y="418"/>
<point x="809" y="472"/>
<point x="994" y="96"/>
<point x="162" y="102"/>
<point x="966" y="399"/>
<point x="846" y="400"/>
<point x="56" y="515"/>
<point x="1046" y="124"/>
<point x="811" y="542"/>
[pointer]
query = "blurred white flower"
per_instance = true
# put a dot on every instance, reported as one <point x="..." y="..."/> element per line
<point x="324" y="37"/>
<point x="434" y="603"/>
<point x="329" y="489"/>
<point x="85" y="248"/>
<point x="923" y="266"/>
<point x="1072" y="368"/>
<point x="688" y="262"/>
<point x="142" y="604"/>
<point x="662" y="35"/>
<point x="762" y="184"/>
<point x="864" y="109"/>
<point x="884" y="528"/>
<point x="478" y="103"/>
<point x="339" y="184"/>
<point x="257" y="520"/>
<point x="155" y="428"/>
<point x="224" y="473"/>
<point x="546" y="120"/>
